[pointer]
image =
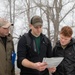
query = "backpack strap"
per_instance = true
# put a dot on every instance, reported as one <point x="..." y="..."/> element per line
<point x="28" y="39"/>
<point x="28" y="42"/>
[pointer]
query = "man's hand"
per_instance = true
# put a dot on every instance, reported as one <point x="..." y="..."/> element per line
<point x="52" y="70"/>
<point x="40" y="66"/>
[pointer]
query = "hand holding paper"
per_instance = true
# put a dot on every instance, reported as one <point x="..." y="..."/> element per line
<point x="53" y="62"/>
<point x="52" y="70"/>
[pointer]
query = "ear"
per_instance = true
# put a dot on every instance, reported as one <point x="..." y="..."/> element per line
<point x="30" y="26"/>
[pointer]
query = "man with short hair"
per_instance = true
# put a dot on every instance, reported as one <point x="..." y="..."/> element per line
<point x="65" y="48"/>
<point x="30" y="55"/>
<point x="6" y="48"/>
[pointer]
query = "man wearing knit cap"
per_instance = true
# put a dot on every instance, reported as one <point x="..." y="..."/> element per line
<point x="32" y="48"/>
<point x="6" y="48"/>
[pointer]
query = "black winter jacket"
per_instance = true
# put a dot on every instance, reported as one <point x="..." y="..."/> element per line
<point x="28" y="52"/>
<point x="67" y="66"/>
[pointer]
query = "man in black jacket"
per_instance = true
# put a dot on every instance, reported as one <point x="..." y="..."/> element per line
<point x="30" y="55"/>
<point x="64" y="48"/>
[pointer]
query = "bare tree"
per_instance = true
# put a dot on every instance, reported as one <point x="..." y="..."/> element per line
<point x="12" y="10"/>
<point x="48" y="20"/>
<point x="53" y="13"/>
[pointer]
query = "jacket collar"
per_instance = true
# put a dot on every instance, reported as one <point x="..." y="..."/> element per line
<point x="30" y="34"/>
<point x="9" y="38"/>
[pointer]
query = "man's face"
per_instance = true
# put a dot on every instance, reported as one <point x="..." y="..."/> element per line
<point x="37" y="30"/>
<point x="64" y="40"/>
<point x="4" y="31"/>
